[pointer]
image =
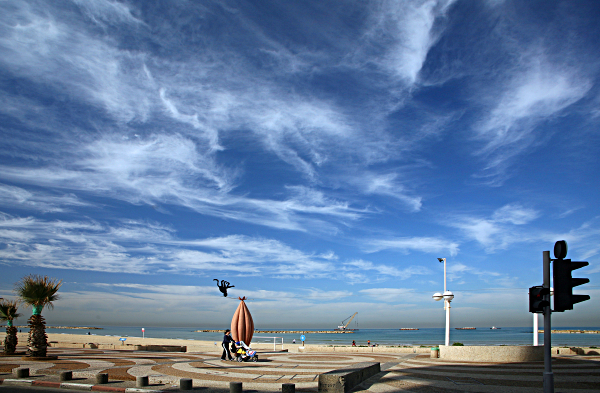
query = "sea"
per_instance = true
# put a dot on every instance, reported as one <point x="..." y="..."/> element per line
<point x="396" y="337"/>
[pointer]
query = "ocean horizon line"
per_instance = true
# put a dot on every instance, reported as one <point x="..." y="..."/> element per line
<point x="68" y="326"/>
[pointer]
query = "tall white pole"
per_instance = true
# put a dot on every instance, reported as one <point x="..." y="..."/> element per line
<point x="447" y="307"/>
<point x="447" y="322"/>
<point x="535" y="330"/>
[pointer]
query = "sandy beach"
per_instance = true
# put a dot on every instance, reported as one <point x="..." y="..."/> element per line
<point x="61" y="340"/>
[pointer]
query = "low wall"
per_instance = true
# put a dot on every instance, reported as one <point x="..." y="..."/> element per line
<point x="160" y="348"/>
<point x="586" y="351"/>
<point x="317" y="348"/>
<point x="153" y="348"/>
<point x="345" y="379"/>
<point x="496" y="354"/>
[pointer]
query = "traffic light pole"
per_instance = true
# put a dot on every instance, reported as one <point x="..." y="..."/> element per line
<point x="548" y="374"/>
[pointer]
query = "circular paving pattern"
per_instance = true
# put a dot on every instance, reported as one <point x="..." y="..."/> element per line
<point x="206" y="369"/>
<point x="401" y="372"/>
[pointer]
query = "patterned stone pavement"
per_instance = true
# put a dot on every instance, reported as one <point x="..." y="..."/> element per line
<point x="206" y="369"/>
<point x="420" y="374"/>
<point x="401" y="372"/>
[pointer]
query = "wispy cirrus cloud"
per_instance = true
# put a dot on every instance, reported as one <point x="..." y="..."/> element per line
<point x="17" y="197"/>
<point x="388" y="185"/>
<point x="167" y="169"/>
<point x="382" y="270"/>
<point x="155" y="167"/>
<point x="408" y="244"/>
<point x="53" y="46"/>
<point x="401" y="34"/>
<point x="148" y="248"/>
<point x="457" y="272"/>
<point x="500" y="229"/>
<point x="109" y="12"/>
<point x="535" y="92"/>
<point x="390" y="295"/>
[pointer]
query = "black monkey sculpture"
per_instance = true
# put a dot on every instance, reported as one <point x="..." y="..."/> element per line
<point x="224" y="286"/>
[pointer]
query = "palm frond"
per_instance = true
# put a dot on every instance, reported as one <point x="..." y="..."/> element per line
<point x="38" y="291"/>
<point x="8" y="310"/>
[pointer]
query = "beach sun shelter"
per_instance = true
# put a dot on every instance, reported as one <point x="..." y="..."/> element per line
<point x="242" y="325"/>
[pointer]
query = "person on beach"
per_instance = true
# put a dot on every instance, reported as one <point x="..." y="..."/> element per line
<point x="225" y="344"/>
<point x="353" y="343"/>
<point x="368" y="343"/>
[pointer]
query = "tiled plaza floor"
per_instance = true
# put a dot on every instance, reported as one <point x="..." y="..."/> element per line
<point x="401" y="372"/>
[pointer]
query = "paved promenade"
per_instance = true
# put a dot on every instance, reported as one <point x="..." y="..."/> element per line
<point x="415" y="373"/>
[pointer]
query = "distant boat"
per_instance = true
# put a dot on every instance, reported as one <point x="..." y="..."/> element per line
<point x="409" y="329"/>
<point x="465" y="328"/>
<point x="344" y="326"/>
<point x="495" y="328"/>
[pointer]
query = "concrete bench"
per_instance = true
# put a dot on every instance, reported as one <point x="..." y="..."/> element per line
<point x="345" y="379"/>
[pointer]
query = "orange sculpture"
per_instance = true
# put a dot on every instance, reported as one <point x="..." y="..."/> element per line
<point x="242" y="325"/>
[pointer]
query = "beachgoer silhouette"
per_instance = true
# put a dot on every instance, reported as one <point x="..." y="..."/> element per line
<point x="225" y="344"/>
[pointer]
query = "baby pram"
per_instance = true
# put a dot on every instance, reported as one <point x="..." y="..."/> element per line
<point x="245" y="353"/>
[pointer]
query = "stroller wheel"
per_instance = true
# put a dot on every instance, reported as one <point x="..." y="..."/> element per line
<point x="239" y="359"/>
<point x="255" y="359"/>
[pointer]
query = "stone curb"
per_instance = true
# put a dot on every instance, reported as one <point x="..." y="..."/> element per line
<point x="76" y="386"/>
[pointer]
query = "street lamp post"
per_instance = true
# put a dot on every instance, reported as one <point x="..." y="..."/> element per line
<point x="447" y="296"/>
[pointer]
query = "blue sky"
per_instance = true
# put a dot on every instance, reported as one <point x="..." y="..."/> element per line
<point x="319" y="155"/>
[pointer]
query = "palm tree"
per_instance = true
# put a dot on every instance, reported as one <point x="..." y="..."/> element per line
<point x="38" y="292"/>
<point x="8" y="312"/>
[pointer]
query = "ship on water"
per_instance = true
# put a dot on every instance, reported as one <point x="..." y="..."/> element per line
<point x="465" y="328"/>
<point x="344" y="325"/>
<point x="408" y="329"/>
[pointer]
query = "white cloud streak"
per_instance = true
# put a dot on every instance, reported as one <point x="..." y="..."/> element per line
<point x="165" y="168"/>
<point x="17" y="197"/>
<point x="147" y="248"/>
<point x="499" y="231"/>
<point x="389" y="295"/>
<point x="406" y="28"/>
<point x="535" y="92"/>
<point x="408" y="244"/>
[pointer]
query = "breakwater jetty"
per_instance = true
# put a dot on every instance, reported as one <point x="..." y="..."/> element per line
<point x="572" y="331"/>
<point x="281" y="331"/>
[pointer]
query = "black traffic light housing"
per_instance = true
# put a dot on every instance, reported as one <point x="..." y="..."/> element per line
<point x="563" y="282"/>
<point x="538" y="299"/>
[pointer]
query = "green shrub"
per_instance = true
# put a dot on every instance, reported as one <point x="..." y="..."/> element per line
<point x="458" y="344"/>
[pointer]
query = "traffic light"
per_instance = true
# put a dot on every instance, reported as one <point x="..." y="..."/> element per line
<point x="563" y="282"/>
<point x="538" y="299"/>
